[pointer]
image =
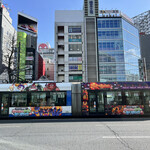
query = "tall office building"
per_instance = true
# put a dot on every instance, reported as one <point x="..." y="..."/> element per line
<point x="69" y="46"/>
<point x="142" y="22"/>
<point x="27" y="47"/>
<point x="118" y="47"/>
<point x="7" y="32"/>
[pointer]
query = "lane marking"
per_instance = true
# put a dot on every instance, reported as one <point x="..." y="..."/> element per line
<point x="126" y="137"/>
<point x="9" y="126"/>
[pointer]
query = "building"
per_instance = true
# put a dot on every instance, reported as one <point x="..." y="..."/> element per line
<point x="142" y="22"/>
<point x="41" y="66"/>
<point x="118" y="47"/>
<point x="27" y="48"/>
<point x="108" y="44"/>
<point x="145" y="53"/>
<point x="7" y="32"/>
<point x="47" y="53"/>
<point x="69" y="46"/>
<point x="91" y="12"/>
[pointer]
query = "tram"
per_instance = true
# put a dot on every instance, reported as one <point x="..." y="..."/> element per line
<point x="75" y="100"/>
<point x="35" y="100"/>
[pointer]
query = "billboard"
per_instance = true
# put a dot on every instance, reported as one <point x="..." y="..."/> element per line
<point x="21" y="39"/>
<point x="28" y="27"/>
<point x="27" y="23"/>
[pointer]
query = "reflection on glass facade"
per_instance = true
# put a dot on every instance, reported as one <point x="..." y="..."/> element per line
<point x="118" y="50"/>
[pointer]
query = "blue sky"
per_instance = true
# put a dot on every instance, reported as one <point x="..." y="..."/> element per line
<point x="44" y="11"/>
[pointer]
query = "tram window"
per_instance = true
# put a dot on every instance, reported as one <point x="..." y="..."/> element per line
<point x="19" y="100"/>
<point x="132" y="98"/>
<point x="38" y="99"/>
<point x="114" y="98"/>
<point x="4" y="104"/>
<point x="57" y="99"/>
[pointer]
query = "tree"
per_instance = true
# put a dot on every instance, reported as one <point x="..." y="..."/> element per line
<point x="9" y="59"/>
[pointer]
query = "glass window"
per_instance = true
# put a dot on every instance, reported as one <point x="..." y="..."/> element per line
<point x="75" y="38"/>
<point x="114" y="98"/>
<point x="75" y="78"/>
<point x="38" y="99"/>
<point x="75" y="67"/>
<point x="75" y="57"/>
<point x="133" y="98"/>
<point x="57" y="99"/>
<point x="19" y="100"/>
<point x="75" y="47"/>
<point x="75" y="29"/>
<point x="4" y="104"/>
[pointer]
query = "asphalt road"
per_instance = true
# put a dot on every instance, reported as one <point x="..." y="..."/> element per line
<point x="75" y="134"/>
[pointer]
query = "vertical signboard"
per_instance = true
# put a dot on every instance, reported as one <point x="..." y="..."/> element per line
<point x="91" y="7"/>
<point x="22" y="55"/>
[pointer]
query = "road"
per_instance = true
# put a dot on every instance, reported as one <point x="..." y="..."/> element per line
<point x="75" y="134"/>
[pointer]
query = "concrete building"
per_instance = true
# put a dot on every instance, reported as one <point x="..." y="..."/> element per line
<point x="145" y="53"/>
<point x="91" y="12"/>
<point x="27" y="47"/>
<point x="142" y="22"/>
<point x="7" y="32"/>
<point x="47" y="53"/>
<point x="69" y="46"/>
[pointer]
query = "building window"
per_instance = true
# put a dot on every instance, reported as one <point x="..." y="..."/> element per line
<point x="75" y="57"/>
<point x="111" y="34"/>
<point x="75" y="47"/>
<point x="75" y="38"/>
<point x="73" y="29"/>
<point x="114" y="23"/>
<point x="75" y="67"/>
<point x="112" y="45"/>
<point x="75" y="78"/>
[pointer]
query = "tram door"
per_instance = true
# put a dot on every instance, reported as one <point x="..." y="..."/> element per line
<point x="4" y="105"/>
<point x="96" y="102"/>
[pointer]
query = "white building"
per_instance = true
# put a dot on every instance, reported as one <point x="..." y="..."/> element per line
<point x="7" y="32"/>
<point x="69" y="46"/>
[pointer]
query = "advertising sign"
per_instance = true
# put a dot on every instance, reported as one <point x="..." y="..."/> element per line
<point x="37" y="87"/>
<point x="125" y="110"/>
<point x="115" y="85"/>
<point x="91" y="7"/>
<point x="29" y="27"/>
<point x="21" y="36"/>
<point x="40" y="111"/>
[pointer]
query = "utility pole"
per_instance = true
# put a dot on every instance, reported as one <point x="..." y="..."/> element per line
<point x="18" y="63"/>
